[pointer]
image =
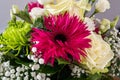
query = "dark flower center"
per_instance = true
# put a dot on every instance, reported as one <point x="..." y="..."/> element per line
<point x="60" y="37"/>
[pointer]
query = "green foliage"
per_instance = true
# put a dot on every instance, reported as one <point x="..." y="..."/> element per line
<point x="114" y="22"/>
<point x="61" y="61"/>
<point x="63" y="73"/>
<point x="94" y="76"/>
<point x="24" y="16"/>
<point x="26" y="63"/>
<point x="50" y="69"/>
<point x="39" y="23"/>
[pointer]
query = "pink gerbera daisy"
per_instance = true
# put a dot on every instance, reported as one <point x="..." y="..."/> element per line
<point x="64" y="37"/>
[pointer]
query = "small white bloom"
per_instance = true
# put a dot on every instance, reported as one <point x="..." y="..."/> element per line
<point x="30" y="65"/>
<point x="18" y="78"/>
<point x="33" y="74"/>
<point x="6" y="64"/>
<point x="41" y="61"/>
<point x="34" y="49"/>
<point x="29" y="56"/>
<point x="21" y="74"/>
<point x="1" y="74"/>
<point x="35" y="67"/>
<point x="12" y="75"/>
<point x="48" y="74"/>
<point x="26" y="67"/>
<point x="7" y="73"/>
<point x="39" y="77"/>
<point x="26" y="78"/>
<point x="32" y="57"/>
<point x="12" y="71"/>
<point x="83" y="71"/>
<point x="26" y="73"/>
<point x="22" y="69"/>
<point x="102" y="5"/>
<point x="48" y="79"/>
<point x="43" y="75"/>
<point x="17" y="74"/>
<point x="119" y="52"/>
<point x="90" y="23"/>
<point x="4" y="78"/>
<point x="1" y="68"/>
<point x="35" y="60"/>
<point x="18" y="69"/>
<point x="36" y="12"/>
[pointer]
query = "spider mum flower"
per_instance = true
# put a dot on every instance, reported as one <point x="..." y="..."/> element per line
<point x="65" y="37"/>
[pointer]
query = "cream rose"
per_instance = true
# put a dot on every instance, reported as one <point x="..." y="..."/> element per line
<point x="102" y="5"/>
<point x="90" y="23"/>
<point x="99" y="55"/>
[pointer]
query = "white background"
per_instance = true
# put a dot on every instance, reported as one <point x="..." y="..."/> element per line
<point x="5" y="6"/>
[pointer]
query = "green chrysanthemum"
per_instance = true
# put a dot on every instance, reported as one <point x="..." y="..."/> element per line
<point x="14" y="38"/>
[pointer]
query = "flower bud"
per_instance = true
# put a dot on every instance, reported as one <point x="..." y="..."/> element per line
<point x="105" y="25"/>
<point x="15" y="9"/>
<point x="102" y="5"/>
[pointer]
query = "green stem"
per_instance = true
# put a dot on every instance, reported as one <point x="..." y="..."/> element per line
<point x="58" y="76"/>
<point x="95" y="12"/>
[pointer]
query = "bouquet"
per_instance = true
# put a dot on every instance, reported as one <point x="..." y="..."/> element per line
<point x="60" y="40"/>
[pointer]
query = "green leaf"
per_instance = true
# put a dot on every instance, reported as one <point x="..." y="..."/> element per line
<point x="49" y="69"/>
<point x="95" y="76"/>
<point x="26" y="8"/>
<point x="12" y="56"/>
<point x="106" y="77"/>
<point x="26" y="63"/>
<point x="62" y="61"/>
<point x="25" y="16"/>
<point x="114" y="22"/>
<point x="39" y="23"/>
<point x="72" y="78"/>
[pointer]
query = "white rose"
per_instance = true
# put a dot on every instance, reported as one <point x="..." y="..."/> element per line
<point x="90" y="23"/>
<point x="36" y="12"/>
<point x="99" y="55"/>
<point x="102" y="5"/>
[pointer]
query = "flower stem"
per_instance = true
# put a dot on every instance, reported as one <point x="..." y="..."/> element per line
<point x="95" y="12"/>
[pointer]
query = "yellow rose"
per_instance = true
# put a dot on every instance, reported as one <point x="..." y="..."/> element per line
<point x="99" y="55"/>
